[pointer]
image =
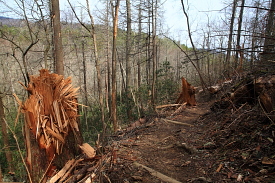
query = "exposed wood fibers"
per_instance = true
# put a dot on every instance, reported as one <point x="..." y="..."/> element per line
<point x="51" y="109"/>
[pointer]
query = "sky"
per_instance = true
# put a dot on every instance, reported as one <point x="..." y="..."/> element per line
<point x="175" y="22"/>
<point x="199" y="11"/>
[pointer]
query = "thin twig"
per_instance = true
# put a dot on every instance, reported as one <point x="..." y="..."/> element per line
<point x="47" y="169"/>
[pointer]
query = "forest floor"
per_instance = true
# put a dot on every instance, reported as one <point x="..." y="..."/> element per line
<point x="210" y="143"/>
<point x="227" y="137"/>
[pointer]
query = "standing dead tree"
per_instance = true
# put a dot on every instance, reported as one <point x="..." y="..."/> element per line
<point x="114" y="63"/>
<point x="57" y="39"/>
<point x="195" y="64"/>
<point x="93" y="35"/>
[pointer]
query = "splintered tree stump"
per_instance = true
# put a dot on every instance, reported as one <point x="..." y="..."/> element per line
<point x="187" y="94"/>
<point x="52" y="134"/>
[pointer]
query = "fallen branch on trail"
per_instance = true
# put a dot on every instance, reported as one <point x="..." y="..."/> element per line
<point x="180" y="109"/>
<point x="167" y="105"/>
<point x="136" y="124"/>
<point x="177" y="122"/>
<point x="157" y="174"/>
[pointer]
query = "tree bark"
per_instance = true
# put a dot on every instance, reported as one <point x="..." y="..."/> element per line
<point x="57" y="38"/>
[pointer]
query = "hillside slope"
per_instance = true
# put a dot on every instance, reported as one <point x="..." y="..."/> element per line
<point x="230" y="139"/>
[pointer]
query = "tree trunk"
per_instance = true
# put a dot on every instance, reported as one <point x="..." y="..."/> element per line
<point x="128" y="53"/>
<point x="238" y="46"/>
<point x="1" y="176"/>
<point x="196" y="64"/>
<point x="254" y="33"/>
<point x="139" y="46"/>
<point x="268" y="55"/>
<point x="154" y="51"/>
<point x="98" y="69"/>
<point x="85" y="84"/>
<point x="108" y="73"/>
<point x="51" y="128"/>
<point x="230" y="38"/>
<point x="57" y="39"/>
<point x="114" y="91"/>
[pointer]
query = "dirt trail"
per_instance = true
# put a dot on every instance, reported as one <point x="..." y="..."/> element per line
<point x="171" y="149"/>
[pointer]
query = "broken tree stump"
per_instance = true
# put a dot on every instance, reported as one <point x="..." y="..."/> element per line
<point x="187" y="94"/>
<point x="52" y="135"/>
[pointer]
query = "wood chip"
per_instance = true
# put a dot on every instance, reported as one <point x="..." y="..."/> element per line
<point x="62" y="172"/>
<point x="88" y="150"/>
<point x="56" y="135"/>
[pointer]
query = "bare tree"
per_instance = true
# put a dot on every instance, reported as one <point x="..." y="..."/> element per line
<point x="93" y="35"/>
<point x="239" y="34"/>
<point x="196" y="64"/>
<point x="128" y="53"/>
<point x="154" y="49"/>
<point x="230" y="37"/>
<point x="98" y="69"/>
<point x="114" y="63"/>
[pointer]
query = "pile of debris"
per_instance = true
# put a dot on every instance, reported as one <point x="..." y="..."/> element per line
<point x="242" y="130"/>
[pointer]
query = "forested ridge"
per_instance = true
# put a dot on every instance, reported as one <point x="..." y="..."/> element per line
<point x="107" y="76"/>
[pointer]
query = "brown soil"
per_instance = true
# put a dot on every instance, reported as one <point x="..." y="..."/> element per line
<point x="222" y="145"/>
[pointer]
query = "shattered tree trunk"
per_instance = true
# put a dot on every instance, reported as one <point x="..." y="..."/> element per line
<point x="187" y="94"/>
<point x="52" y="134"/>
